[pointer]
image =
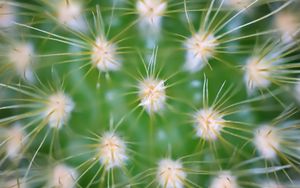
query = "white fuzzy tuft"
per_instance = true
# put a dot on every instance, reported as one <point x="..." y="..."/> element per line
<point x="288" y="25"/>
<point x="112" y="151"/>
<point x="267" y="141"/>
<point x="171" y="174"/>
<point x="15" y="141"/>
<point x="224" y="180"/>
<point x="7" y="14"/>
<point x="150" y="13"/>
<point x="257" y="73"/>
<point x="209" y="123"/>
<point x="21" y="56"/>
<point x="58" y="109"/>
<point x="70" y="14"/>
<point x="63" y="177"/>
<point x="104" y="55"/>
<point x="200" y="48"/>
<point x="152" y="94"/>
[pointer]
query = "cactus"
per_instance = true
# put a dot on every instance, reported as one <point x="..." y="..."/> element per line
<point x="149" y="93"/>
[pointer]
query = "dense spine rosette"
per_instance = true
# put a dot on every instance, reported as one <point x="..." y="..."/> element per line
<point x="63" y="177"/>
<point x="224" y="180"/>
<point x="112" y="151"/>
<point x="15" y="141"/>
<point x="69" y="13"/>
<point x="170" y="174"/>
<point x="105" y="56"/>
<point x="58" y="109"/>
<point x="152" y="94"/>
<point x="21" y="56"/>
<point x="209" y="123"/>
<point x="150" y="14"/>
<point x="267" y="141"/>
<point x="199" y="49"/>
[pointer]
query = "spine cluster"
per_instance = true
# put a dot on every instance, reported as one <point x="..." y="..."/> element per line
<point x="149" y="93"/>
